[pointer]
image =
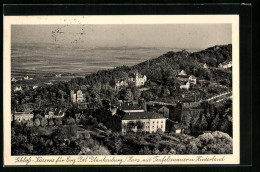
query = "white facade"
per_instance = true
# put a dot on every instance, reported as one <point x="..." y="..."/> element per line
<point x="150" y="125"/>
<point x="186" y="86"/>
<point x="13" y="79"/>
<point x="192" y="79"/>
<point x="18" y="88"/>
<point x="182" y="73"/>
<point x="139" y="79"/>
<point x="80" y="96"/>
<point x="19" y="116"/>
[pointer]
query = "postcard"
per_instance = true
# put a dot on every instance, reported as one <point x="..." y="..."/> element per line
<point x="121" y="90"/>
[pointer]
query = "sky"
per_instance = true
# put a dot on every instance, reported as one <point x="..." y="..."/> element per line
<point x="186" y="36"/>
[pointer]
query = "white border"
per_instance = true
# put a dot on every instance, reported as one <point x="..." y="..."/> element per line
<point x="126" y="19"/>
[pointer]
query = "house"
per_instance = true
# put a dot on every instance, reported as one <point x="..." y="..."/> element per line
<point x="58" y="75"/>
<point x="225" y="65"/>
<point x="48" y="83"/>
<point x="138" y="79"/>
<point x="164" y="111"/>
<point x="120" y="84"/>
<point x="80" y="96"/>
<point x="186" y="85"/>
<point x="19" y="116"/>
<point x="13" y="79"/>
<point x="182" y="73"/>
<point x="56" y="113"/>
<point x="35" y="86"/>
<point x="77" y="97"/>
<point x="18" y="89"/>
<point x="205" y="66"/>
<point x="174" y="127"/>
<point x="192" y="79"/>
<point x="73" y="96"/>
<point x="143" y="121"/>
<point x="26" y="77"/>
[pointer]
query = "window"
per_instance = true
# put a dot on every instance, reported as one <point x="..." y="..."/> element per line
<point x="157" y="122"/>
<point x="161" y="126"/>
<point x="153" y="127"/>
<point x="162" y="122"/>
<point x="153" y="122"/>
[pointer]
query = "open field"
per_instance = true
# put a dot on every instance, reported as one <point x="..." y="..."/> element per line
<point x="42" y="58"/>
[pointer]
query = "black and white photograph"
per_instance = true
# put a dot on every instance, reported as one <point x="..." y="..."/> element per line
<point x="160" y="91"/>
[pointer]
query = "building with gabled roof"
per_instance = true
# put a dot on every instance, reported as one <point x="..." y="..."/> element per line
<point x="149" y="122"/>
<point x="164" y="111"/>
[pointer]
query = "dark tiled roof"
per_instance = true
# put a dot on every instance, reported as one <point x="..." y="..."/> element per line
<point x="142" y="115"/>
<point x="128" y="106"/>
<point x="183" y="76"/>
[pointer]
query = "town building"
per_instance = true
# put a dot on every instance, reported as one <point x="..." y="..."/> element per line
<point x="13" y="79"/>
<point x="58" y="75"/>
<point x="120" y="84"/>
<point x="174" y="127"/>
<point x="35" y="86"/>
<point x="19" y="116"/>
<point x="182" y="73"/>
<point x="192" y="79"/>
<point x="225" y="65"/>
<point x="150" y="122"/>
<point x="164" y="111"/>
<point x="138" y="79"/>
<point x="80" y="96"/>
<point x="186" y="85"/>
<point x="205" y="66"/>
<point x="56" y="113"/>
<point x="77" y="97"/>
<point x="16" y="89"/>
<point x="26" y="78"/>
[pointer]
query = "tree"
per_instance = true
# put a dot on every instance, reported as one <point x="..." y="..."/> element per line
<point x="140" y="126"/>
<point x="58" y="121"/>
<point x="43" y="122"/>
<point x="118" y="144"/>
<point x="129" y="96"/>
<point x="159" y="131"/>
<point x="145" y="151"/>
<point x="29" y="123"/>
<point x="51" y="123"/>
<point x="130" y="125"/>
<point x="37" y="122"/>
<point x="215" y="143"/>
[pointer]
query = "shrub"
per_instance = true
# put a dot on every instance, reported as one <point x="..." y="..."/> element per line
<point x="51" y="123"/>
<point x="37" y="122"/>
<point x="29" y="123"/>
<point x="43" y="122"/>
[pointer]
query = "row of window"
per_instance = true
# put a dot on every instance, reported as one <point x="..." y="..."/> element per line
<point x="147" y="127"/>
<point x="153" y="122"/>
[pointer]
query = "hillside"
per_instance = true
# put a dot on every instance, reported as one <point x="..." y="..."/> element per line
<point x="164" y="68"/>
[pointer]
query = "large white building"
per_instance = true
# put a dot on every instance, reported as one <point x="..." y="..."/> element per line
<point x="151" y="122"/>
<point x="77" y="97"/>
<point x="138" y="79"/>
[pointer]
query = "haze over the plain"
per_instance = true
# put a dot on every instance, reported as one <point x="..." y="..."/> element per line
<point x="88" y="48"/>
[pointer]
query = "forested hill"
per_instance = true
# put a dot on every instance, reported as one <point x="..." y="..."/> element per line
<point x="165" y="67"/>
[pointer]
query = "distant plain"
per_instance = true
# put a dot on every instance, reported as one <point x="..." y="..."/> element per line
<point x="62" y="58"/>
